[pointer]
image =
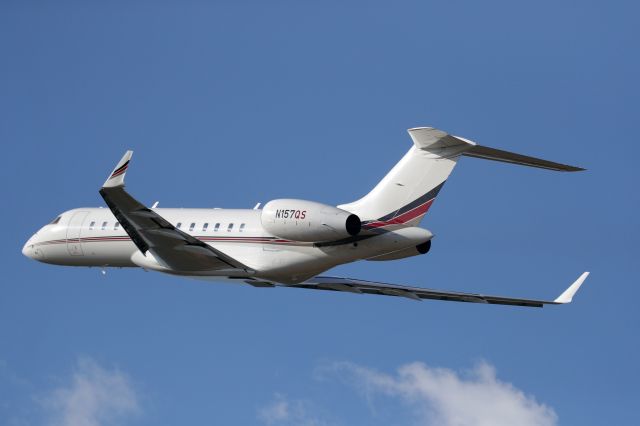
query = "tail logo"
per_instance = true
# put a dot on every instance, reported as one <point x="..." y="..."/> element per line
<point x="414" y="210"/>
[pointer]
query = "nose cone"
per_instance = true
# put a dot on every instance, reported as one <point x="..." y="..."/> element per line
<point x="27" y="250"/>
<point x="31" y="250"/>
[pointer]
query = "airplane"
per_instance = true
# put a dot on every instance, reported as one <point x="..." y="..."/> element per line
<point x="288" y="242"/>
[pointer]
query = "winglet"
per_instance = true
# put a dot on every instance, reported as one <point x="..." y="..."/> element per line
<point x="568" y="294"/>
<point x="116" y="178"/>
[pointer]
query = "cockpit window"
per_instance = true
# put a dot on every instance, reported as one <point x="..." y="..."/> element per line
<point x="55" y="221"/>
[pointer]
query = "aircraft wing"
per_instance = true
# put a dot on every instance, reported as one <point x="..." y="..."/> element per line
<point x="150" y="232"/>
<point x="418" y="293"/>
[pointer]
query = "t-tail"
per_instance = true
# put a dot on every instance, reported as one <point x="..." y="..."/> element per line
<point x="406" y="193"/>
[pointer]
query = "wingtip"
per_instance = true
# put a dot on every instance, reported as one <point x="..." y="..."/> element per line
<point x="116" y="178"/>
<point x="567" y="295"/>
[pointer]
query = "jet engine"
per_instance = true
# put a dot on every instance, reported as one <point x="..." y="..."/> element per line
<point x="422" y="248"/>
<point x="308" y="221"/>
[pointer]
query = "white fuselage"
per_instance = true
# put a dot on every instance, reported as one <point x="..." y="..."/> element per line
<point x="92" y="237"/>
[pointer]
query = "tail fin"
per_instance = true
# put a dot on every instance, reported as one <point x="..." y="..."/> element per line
<point x="404" y="195"/>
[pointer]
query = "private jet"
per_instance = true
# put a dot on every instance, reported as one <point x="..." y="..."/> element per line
<point x="288" y="242"/>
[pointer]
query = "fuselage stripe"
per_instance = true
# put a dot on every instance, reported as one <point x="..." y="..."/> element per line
<point x="125" y="238"/>
<point x="418" y="202"/>
<point x="403" y="218"/>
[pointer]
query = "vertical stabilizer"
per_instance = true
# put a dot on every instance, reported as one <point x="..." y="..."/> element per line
<point x="405" y="194"/>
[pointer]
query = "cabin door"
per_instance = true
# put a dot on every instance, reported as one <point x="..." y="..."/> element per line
<point x="74" y="245"/>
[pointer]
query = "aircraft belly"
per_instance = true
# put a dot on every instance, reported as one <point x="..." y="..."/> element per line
<point x="115" y="253"/>
<point x="293" y="264"/>
<point x="248" y="254"/>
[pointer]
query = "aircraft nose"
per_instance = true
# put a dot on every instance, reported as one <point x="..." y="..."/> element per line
<point x="27" y="250"/>
<point x="30" y="250"/>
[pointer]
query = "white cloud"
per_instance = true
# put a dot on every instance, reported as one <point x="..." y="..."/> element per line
<point x="95" y="396"/>
<point x="276" y="412"/>
<point x="283" y="411"/>
<point x="441" y="396"/>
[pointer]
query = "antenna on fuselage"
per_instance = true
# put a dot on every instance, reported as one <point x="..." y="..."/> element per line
<point x="257" y="206"/>
<point x="155" y="204"/>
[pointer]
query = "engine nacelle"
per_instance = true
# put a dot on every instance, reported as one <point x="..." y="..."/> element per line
<point x="422" y="248"/>
<point x="308" y="221"/>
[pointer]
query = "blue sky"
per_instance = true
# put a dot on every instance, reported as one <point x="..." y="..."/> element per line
<point x="228" y="104"/>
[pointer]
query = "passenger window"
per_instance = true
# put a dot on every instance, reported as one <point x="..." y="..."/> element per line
<point x="178" y="225"/>
<point x="215" y="228"/>
<point x="230" y="227"/>
<point x="104" y="225"/>
<point x="193" y="225"/>
<point x="91" y="225"/>
<point x="116" y="226"/>
<point x="204" y="227"/>
<point x="241" y="227"/>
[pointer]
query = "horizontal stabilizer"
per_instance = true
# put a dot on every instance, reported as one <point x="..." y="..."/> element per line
<point x="486" y="153"/>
